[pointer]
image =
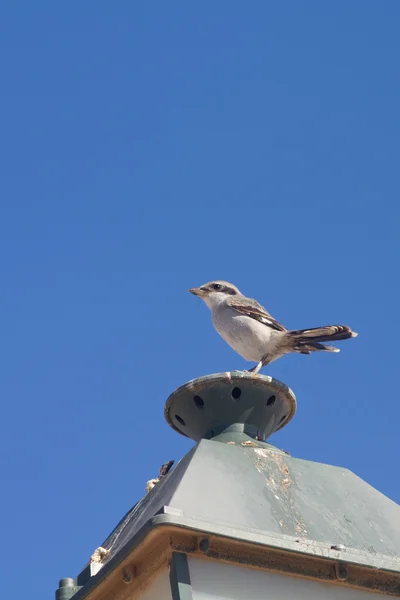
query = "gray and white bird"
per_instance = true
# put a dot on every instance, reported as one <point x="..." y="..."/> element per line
<point x="254" y="334"/>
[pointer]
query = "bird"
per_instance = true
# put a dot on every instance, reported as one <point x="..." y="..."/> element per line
<point x="254" y="334"/>
<point x="164" y="470"/>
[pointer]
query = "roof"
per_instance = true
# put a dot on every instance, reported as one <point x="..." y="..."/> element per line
<point x="258" y="488"/>
<point x="235" y="485"/>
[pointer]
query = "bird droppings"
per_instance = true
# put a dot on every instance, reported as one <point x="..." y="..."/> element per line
<point x="249" y="443"/>
<point x="231" y="443"/>
<point x="151" y="483"/>
<point x="99" y="555"/>
<point x="298" y="527"/>
<point x="261" y="451"/>
<point x="275" y="469"/>
<point x="266" y="452"/>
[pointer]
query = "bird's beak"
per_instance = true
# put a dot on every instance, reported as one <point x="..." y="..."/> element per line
<point x="197" y="292"/>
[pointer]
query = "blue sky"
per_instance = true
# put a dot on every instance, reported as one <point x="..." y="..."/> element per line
<point x="150" y="147"/>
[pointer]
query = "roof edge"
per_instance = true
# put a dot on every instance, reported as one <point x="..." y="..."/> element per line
<point x="313" y="560"/>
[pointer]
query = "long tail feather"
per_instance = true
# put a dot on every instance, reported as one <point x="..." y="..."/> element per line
<point x="309" y="340"/>
<point x="327" y="333"/>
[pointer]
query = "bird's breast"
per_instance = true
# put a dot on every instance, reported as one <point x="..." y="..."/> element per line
<point x="245" y="335"/>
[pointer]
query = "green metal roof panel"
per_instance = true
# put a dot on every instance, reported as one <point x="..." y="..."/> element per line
<point x="262" y="489"/>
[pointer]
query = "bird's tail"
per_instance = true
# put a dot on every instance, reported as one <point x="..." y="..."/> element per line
<point x="309" y="340"/>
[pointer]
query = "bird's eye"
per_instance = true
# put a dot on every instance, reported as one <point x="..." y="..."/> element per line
<point x="216" y="286"/>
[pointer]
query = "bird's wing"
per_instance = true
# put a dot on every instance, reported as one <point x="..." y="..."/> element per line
<point x="251" y="308"/>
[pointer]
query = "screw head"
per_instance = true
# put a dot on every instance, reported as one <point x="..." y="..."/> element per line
<point x="127" y="575"/>
<point x="204" y="545"/>
<point x="341" y="572"/>
<point x="338" y="547"/>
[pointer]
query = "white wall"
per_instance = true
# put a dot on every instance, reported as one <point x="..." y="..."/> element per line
<point x="218" y="581"/>
<point x="160" y="589"/>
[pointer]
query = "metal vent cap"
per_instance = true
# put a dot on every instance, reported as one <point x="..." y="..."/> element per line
<point x="205" y="407"/>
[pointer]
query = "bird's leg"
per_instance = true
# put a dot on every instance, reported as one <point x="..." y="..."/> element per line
<point x="255" y="369"/>
<point x="264" y="361"/>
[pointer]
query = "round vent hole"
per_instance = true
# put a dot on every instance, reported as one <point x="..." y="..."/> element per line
<point x="271" y="400"/>
<point x="199" y="402"/>
<point x="180" y="420"/>
<point x="236" y="393"/>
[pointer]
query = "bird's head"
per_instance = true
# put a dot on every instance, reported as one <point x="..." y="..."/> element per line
<point x="215" y="292"/>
